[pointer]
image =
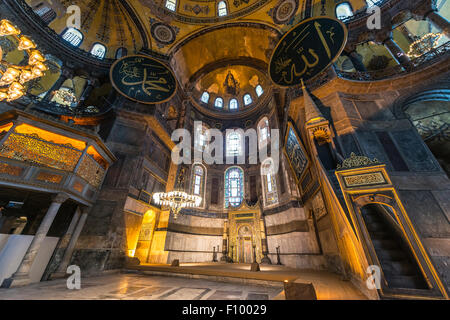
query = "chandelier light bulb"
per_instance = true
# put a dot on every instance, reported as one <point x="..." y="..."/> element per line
<point x="35" y="57"/>
<point x="26" y="76"/>
<point x="8" y="29"/>
<point x="10" y="75"/>
<point x="3" y="95"/>
<point x="16" y="90"/>
<point x="26" y="43"/>
<point x="37" y="73"/>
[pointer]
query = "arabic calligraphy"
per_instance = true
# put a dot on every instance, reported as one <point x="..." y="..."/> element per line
<point x="295" y="154"/>
<point x="143" y="79"/>
<point x="307" y="50"/>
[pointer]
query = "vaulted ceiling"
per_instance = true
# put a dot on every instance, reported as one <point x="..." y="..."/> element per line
<point x="137" y="24"/>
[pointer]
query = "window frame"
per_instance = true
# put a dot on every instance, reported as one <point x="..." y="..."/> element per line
<point x="68" y="30"/>
<point x="237" y="200"/>
<point x="171" y="5"/>
<point x="222" y="9"/>
<point x="98" y="44"/>
<point x="348" y="5"/>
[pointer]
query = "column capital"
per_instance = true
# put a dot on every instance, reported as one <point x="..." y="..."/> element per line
<point x="60" y="198"/>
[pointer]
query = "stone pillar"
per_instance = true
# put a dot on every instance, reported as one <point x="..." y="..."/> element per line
<point x="21" y="276"/>
<point x="396" y="51"/>
<point x="66" y="238"/>
<point x="91" y="83"/>
<point x="264" y="247"/>
<point x="225" y="242"/>
<point x="356" y="61"/>
<point x="71" y="246"/>
<point x="439" y="22"/>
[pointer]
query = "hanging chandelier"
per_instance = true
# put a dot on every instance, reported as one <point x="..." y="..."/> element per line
<point x="424" y="44"/>
<point x="14" y="77"/>
<point x="177" y="200"/>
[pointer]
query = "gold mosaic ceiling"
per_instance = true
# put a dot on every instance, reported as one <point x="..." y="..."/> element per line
<point x="135" y="24"/>
<point x="196" y="39"/>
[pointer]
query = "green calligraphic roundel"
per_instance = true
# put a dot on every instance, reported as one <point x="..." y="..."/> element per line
<point x="143" y="79"/>
<point x="307" y="50"/>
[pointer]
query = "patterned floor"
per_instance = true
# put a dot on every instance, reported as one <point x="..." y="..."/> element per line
<point x="140" y="287"/>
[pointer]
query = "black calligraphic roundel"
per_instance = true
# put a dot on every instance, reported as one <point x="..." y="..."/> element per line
<point x="143" y="79"/>
<point x="307" y="50"/>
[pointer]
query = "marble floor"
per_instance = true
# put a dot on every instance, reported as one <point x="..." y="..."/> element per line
<point x="131" y="286"/>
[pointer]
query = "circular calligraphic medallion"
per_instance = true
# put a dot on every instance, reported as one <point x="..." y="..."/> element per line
<point x="143" y="79"/>
<point x="307" y="50"/>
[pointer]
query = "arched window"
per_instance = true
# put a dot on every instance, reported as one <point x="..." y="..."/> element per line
<point x="263" y="131"/>
<point x="205" y="97"/>
<point x="247" y="99"/>
<point x="234" y="187"/>
<point x="222" y="9"/>
<point x="198" y="180"/>
<point x="201" y="137"/>
<point x="46" y="13"/>
<point x="98" y="50"/>
<point x="171" y="5"/>
<point x="218" y="103"/>
<point x="259" y="90"/>
<point x="73" y="36"/>
<point x="234" y="105"/>
<point x="121" y="52"/>
<point x="344" y="10"/>
<point x="269" y="182"/>
<point x="234" y="144"/>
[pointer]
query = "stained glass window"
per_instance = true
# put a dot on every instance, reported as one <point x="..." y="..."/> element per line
<point x="344" y="10"/>
<point x="201" y="137"/>
<point x="247" y="99"/>
<point x="269" y="182"/>
<point x="234" y="104"/>
<point x="198" y="179"/>
<point x="73" y="36"/>
<point x="259" y="90"/>
<point x="171" y="5"/>
<point x="121" y="52"/>
<point x="234" y="147"/>
<point x="218" y="103"/>
<point x="98" y="50"/>
<point x="263" y="131"/>
<point x="205" y="97"/>
<point x="222" y="9"/>
<point x="234" y="187"/>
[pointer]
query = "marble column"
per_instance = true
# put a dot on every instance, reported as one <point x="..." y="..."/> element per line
<point x="73" y="223"/>
<point x="439" y="22"/>
<point x="264" y="246"/>
<point x="71" y="246"/>
<point x="86" y="93"/>
<point x="396" y="51"/>
<point x="356" y="61"/>
<point x="21" y="276"/>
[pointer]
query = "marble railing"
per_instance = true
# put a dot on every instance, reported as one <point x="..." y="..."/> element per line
<point x="22" y="174"/>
